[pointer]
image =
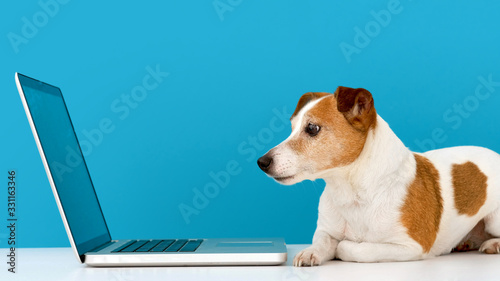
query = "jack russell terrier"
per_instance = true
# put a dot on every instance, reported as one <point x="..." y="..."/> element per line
<point x="383" y="202"/>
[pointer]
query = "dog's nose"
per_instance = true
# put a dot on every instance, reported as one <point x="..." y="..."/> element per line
<point x="264" y="162"/>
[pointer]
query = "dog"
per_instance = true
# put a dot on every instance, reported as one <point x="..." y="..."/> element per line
<point x="381" y="201"/>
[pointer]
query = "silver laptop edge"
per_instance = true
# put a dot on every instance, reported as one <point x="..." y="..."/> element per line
<point x="210" y="252"/>
<point x="46" y="165"/>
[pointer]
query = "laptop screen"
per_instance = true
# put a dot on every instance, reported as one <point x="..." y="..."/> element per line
<point x="66" y="164"/>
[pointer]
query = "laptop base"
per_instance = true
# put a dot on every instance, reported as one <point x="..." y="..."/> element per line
<point x="234" y="251"/>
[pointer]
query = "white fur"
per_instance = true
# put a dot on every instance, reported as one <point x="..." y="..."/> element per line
<point x="285" y="160"/>
<point x="359" y="210"/>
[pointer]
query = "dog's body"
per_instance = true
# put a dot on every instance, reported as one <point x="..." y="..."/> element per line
<point x="381" y="201"/>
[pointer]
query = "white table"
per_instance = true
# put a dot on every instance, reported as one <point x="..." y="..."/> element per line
<point x="61" y="264"/>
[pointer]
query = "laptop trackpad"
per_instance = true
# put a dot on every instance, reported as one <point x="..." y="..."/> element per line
<point x="245" y="244"/>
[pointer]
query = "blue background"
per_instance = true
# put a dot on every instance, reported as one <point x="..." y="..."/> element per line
<point x="230" y="70"/>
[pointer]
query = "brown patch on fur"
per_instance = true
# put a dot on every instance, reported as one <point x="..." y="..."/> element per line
<point x="469" y="187"/>
<point x="357" y="106"/>
<point x="423" y="206"/>
<point x="338" y="142"/>
<point x="305" y="99"/>
<point x="474" y="239"/>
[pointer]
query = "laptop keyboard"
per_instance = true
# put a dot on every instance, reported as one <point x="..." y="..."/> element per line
<point x="169" y="245"/>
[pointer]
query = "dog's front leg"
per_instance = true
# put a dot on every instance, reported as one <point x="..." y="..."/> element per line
<point x="328" y="233"/>
<point x="322" y="249"/>
<point x="377" y="252"/>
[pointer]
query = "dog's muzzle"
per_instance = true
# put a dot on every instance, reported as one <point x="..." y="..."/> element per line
<point x="265" y="162"/>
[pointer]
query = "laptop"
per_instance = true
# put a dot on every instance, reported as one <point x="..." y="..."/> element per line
<point x="81" y="212"/>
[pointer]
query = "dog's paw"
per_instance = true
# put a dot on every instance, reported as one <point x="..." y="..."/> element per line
<point x="308" y="257"/>
<point x="491" y="246"/>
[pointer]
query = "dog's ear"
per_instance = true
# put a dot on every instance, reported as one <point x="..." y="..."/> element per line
<point x="357" y="106"/>
<point x="305" y="99"/>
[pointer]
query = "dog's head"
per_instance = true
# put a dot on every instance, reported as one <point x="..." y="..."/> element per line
<point x="328" y="131"/>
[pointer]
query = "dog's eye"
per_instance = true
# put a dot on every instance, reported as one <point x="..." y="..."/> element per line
<point x="312" y="129"/>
